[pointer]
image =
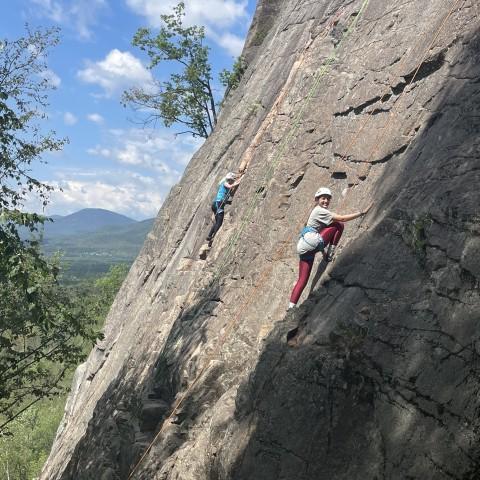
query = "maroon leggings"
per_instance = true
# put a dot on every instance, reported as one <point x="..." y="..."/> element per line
<point x="331" y="236"/>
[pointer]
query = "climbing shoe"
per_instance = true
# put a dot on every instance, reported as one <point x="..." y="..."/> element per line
<point x="328" y="255"/>
<point x="204" y="249"/>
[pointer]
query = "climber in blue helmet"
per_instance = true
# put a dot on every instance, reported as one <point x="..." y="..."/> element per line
<point x="226" y="189"/>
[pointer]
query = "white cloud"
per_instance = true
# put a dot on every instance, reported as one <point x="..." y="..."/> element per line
<point x="100" y="152"/>
<point x="117" y="72"/>
<point x="230" y="42"/>
<point x="120" y="191"/>
<point x="79" y="15"/>
<point x="117" y="132"/>
<point x="215" y="15"/>
<point x="95" y="118"/>
<point x="156" y="151"/>
<point x="85" y="14"/>
<point x="69" y="118"/>
<point x="53" y="10"/>
<point x="133" y="172"/>
<point x="52" y="78"/>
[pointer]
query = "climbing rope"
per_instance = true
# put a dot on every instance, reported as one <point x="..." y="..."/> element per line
<point x="247" y="217"/>
<point x="318" y="77"/>
<point x="382" y="136"/>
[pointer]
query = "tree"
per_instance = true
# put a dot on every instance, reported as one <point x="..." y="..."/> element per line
<point x="24" y="88"/>
<point x="231" y="79"/>
<point x="42" y="331"/>
<point x="187" y="98"/>
<point x="24" y="451"/>
<point x="98" y="299"/>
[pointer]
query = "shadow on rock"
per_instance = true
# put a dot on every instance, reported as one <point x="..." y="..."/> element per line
<point x="385" y="380"/>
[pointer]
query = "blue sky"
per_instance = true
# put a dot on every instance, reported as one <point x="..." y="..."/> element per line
<point x="112" y="161"/>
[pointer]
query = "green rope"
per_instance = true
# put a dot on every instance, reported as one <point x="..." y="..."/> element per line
<point x="319" y="74"/>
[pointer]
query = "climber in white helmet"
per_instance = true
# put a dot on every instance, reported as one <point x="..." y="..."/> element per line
<point x="226" y="188"/>
<point x="321" y="234"/>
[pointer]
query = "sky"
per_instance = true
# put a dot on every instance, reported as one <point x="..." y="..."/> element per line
<point x="112" y="161"/>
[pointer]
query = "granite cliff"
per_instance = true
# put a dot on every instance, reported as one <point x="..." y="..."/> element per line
<point x="379" y="100"/>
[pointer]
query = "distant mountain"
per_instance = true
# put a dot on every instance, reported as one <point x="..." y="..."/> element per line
<point x="92" y="240"/>
<point x="83" y="221"/>
<point x="124" y="240"/>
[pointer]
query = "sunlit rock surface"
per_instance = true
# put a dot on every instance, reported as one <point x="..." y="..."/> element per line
<point x="381" y="380"/>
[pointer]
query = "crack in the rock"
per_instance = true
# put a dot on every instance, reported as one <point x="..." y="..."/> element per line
<point x="147" y="275"/>
<point x="284" y="449"/>
<point x="342" y="282"/>
<point x="452" y="299"/>
<point x="427" y="68"/>
<point x="377" y="111"/>
<point x="358" y="109"/>
<point x="384" y="159"/>
<point x="388" y="157"/>
<point x="222" y="153"/>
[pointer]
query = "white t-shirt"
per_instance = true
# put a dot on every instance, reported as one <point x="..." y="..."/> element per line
<point x="319" y="218"/>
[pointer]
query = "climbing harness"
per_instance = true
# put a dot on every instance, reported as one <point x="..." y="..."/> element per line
<point x="312" y="238"/>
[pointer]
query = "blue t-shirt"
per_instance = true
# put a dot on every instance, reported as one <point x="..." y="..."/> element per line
<point x="223" y="193"/>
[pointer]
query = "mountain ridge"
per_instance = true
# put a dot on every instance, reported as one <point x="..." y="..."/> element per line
<point x="107" y="241"/>
<point x="85" y="220"/>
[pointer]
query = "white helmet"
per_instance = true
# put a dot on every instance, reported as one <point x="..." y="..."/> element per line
<point x="231" y="176"/>
<point x="323" y="191"/>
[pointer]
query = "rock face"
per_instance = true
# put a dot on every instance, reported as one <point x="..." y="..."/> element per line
<point x="380" y="101"/>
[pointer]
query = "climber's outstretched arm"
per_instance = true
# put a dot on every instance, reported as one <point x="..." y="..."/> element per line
<point x="351" y="216"/>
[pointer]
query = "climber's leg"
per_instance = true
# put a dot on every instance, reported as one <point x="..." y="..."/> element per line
<point x="219" y="214"/>
<point x="304" y="268"/>
<point x="331" y="236"/>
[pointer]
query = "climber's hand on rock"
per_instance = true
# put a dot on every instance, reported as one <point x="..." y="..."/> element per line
<point x="365" y="211"/>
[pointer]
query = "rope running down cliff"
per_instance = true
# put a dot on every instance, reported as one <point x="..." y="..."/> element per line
<point x="270" y="169"/>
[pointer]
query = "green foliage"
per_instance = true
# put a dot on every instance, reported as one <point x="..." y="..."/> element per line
<point x="45" y="329"/>
<point x="347" y="339"/>
<point x="25" y="448"/>
<point x="253" y="108"/>
<point x="98" y="299"/>
<point x="259" y="37"/>
<point x="24" y="451"/>
<point x="187" y="97"/>
<point x="416" y="235"/>
<point x="231" y="79"/>
<point x="23" y="99"/>
<point x="42" y="329"/>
